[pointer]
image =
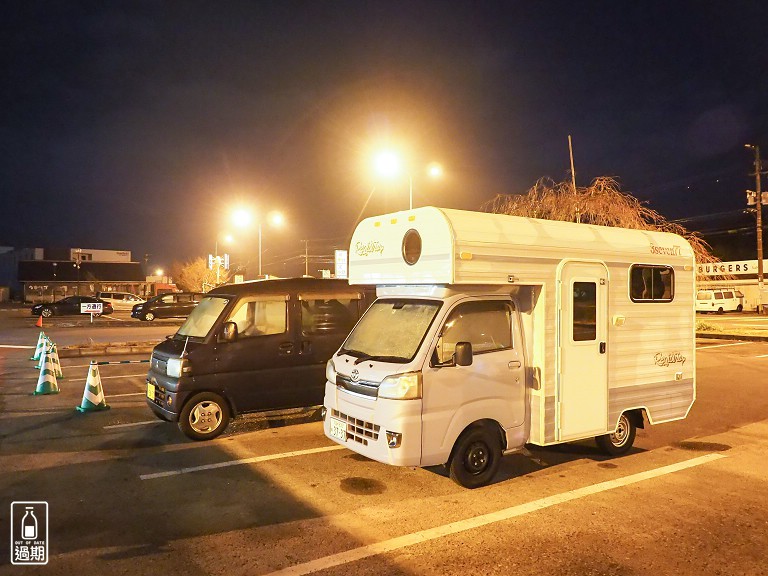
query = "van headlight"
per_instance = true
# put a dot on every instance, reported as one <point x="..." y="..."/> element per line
<point x="330" y="371"/>
<point x="178" y="366"/>
<point x="401" y="386"/>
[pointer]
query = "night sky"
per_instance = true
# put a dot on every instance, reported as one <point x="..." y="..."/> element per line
<point x="140" y="125"/>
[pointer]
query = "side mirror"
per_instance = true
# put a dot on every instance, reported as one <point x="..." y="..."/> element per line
<point x="228" y="332"/>
<point x="462" y="355"/>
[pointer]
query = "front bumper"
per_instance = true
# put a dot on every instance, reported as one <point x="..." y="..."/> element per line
<point x="367" y="421"/>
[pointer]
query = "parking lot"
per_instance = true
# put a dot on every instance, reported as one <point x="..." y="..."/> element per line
<point x="129" y="494"/>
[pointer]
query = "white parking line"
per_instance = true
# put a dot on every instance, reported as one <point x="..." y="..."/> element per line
<point x="721" y="345"/>
<point x="130" y="394"/>
<point x="17" y="347"/>
<point x="122" y="376"/>
<point x="253" y="460"/>
<point x="485" y="519"/>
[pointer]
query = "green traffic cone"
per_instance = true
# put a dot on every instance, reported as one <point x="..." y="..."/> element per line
<point x="56" y="363"/>
<point x="39" y="347"/>
<point x="93" y="395"/>
<point x="46" y="382"/>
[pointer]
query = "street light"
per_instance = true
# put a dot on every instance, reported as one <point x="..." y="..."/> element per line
<point x="388" y="164"/>
<point x="276" y="220"/>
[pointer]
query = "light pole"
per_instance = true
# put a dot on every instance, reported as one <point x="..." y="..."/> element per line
<point x="389" y="165"/>
<point x="275" y="219"/>
<point x="759" y="213"/>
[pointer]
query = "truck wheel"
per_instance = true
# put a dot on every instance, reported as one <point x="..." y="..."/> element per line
<point x="720" y="310"/>
<point x="620" y="441"/>
<point x="204" y="416"/>
<point x="475" y="458"/>
<point x="739" y="308"/>
<point x="149" y="316"/>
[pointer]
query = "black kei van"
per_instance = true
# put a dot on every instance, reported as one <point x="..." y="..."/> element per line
<point x="252" y="347"/>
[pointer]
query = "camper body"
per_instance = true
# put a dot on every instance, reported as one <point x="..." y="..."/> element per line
<point x="491" y="331"/>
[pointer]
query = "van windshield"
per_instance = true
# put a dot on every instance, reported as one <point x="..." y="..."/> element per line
<point x="203" y="317"/>
<point x="391" y="330"/>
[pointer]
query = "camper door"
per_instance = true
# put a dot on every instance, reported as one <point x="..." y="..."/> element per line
<point x="582" y="393"/>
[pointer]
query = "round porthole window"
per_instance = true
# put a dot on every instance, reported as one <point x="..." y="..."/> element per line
<point x="411" y="247"/>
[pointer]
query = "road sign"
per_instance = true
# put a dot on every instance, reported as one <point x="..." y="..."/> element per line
<point x="91" y="308"/>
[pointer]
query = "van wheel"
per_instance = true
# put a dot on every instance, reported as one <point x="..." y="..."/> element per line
<point x="720" y="310"/>
<point x="149" y="316"/>
<point x="619" y="442"/>
<point x="204" y="416"/>
<point x="739" y="308"/>
<point x="475" y="458"/>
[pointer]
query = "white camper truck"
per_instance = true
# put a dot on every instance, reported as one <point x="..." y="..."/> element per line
<point x="493" y="331"/>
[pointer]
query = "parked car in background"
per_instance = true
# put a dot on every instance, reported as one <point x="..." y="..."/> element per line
<point x="69" y="305"/>
<point x="169" y="305"/>
<point x="120" y="300"/>
<point x="719" y="300"/>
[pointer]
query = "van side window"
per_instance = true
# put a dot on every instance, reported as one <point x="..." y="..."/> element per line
<point x="487" y="325"/>
<point x="328" y="316"/>
<point x="649" y="283"/>
<point x="260" y="316"/>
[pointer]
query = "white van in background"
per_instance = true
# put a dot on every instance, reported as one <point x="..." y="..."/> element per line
<point x="120" y="300"/>
<point x="719" y="300"/>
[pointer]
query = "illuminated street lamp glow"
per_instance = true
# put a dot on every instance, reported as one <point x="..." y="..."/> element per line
<point x="159" y="272"/>
<point x="387" y="164"/>
<point x="241" y="218"/>
<point x="434" y="170"/>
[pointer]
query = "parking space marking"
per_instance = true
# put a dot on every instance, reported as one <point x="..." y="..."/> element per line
<point x="253" y="460"/>
<point x="17" y="347"/>
<point x="485" y="519"/>
<point x="722" y="345"/>
<point x="122" y="376"/>
<point x="131" y="424"/>
<point x="128" y="394"/>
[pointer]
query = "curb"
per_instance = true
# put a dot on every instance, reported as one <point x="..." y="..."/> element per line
<point x="107" y="349"/>
<point x="718" y="336"/>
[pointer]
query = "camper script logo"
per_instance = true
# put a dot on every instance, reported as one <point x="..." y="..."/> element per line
<point x="667" y="358"/>
<point x="368" y="248"/>
<point x="665" y="250"/>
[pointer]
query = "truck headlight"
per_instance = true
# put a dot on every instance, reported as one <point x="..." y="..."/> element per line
<point x="401" y="386"/>
<point x="330" y="371"/>
<point x="178" y="366"/>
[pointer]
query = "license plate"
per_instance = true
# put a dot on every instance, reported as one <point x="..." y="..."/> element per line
<point x="338" y="429"/>
<point x="151" y="391"/>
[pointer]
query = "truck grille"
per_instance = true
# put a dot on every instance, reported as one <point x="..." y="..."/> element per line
<point x="358" y="430"/>
<point x="363" y="387"/>
<point x="159" y="396"/>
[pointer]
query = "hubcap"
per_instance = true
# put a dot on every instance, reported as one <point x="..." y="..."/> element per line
<point x="621" y="435"/>
<point x="476" y="459"/>
<point x="205" y="417"/>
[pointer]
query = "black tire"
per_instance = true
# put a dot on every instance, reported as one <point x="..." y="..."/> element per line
<point x="475" y="457"/>
<point x="205" y="416"/>
<point x="620" y="441"/>
<point x="148" y="316"/>
<point x="720" y="310"/>
<point x="739" y="308"/>
<point x="46" y="312"/>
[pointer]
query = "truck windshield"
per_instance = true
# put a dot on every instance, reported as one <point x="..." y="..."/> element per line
<point x="391" y="330"/>
<point x="203" y="317"/>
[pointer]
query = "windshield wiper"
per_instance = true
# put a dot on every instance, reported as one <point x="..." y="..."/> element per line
<point x="366" y="357"/>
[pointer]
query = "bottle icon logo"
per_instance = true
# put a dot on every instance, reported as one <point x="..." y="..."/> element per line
<point x="29" y="533"/>
<point x="29" y="524"/>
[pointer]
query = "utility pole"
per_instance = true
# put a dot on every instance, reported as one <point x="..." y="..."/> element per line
<point x="759" y="212"/>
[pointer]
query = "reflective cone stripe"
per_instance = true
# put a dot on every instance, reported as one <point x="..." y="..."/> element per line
<point x="46" y="382"/>
<point x="55" y="362"/>
<point x="43" y="355"/>
<point x="93" y="395"/>
<point x="39" y="346"/>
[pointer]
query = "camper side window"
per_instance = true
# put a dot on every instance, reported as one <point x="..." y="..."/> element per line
<point x="486" y="325"/>
<point x="260" y="317"/>
<point x="651" y="283"/>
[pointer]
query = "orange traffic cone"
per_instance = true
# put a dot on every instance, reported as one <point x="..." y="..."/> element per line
<point x="39" y="322"/>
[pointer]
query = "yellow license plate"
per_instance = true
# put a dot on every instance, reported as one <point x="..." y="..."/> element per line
<point x="151" y="391"/>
